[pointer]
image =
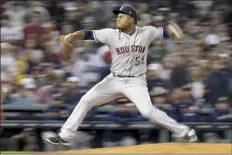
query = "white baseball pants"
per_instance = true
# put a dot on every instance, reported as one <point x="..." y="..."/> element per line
<point x="111" y="88"/>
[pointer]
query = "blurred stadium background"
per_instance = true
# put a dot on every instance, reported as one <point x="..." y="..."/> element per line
<point x="190" y="80"/>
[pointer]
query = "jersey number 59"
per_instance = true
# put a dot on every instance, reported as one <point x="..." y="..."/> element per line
<point x="139" y="60"/>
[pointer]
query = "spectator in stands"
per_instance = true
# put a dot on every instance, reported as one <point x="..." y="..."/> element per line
<point x="159" y="99"/>
<point x="45" y="95"/>
<point x="184" y="106"/>
<point x="153" y="79"/>
<point x="165" y="70"/>
<point x="22" y="67"/>
<point x="49" y="80"/>
<point x="35" y="55"/>
<point x="85" y="67"/>
<point x="73" y="16"/>
<point x="212" y="40"/>
<point x="66" y="28"/>
<point x="51" y="54"/>
<point x="44" y="74"/>
<point x="145" y="16"/>
<point x="27" y="93"/>
<point x="56" y="10"/>
<point x="180" y="73"/>
<point x="72" y="93"/>
<point x="35" y="30"/>
<point x="89" y="23"/>
<point x="95" y="11"/>
<point x="56" y="111"/>
<point x="217" y="82"/>
<point x="17" y="12"/>
<point x="39" y="6"/>
<point x="123" y="114"/>
<point x="161" y="46"/>
<point x="99" y="113"/>
<point x="222" y="111"/>
<point x="198" y="88"/>
<point x="187" y="108"/>
<point x="227" y="70"/>
<point x="104" y="55"/>
<point x="10" y="33"/>
<point x="8" y="65"/>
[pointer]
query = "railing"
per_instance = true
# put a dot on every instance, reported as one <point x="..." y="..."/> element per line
<point x="108" y="125"/>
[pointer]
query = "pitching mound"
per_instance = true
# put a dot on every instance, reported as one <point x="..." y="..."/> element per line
<point x="197" y="148"/>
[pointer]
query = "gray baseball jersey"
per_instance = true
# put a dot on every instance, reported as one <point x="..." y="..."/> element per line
<point x="129" y="52"/>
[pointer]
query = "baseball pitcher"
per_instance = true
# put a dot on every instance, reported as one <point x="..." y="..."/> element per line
<point x="129" y="46"/>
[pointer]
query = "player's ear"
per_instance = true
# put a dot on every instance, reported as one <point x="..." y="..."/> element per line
<point x="131" y="19"/>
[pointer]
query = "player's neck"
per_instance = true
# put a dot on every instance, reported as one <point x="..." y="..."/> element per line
<point x="130" y="30"/>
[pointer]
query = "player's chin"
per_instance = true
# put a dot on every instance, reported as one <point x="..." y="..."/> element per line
<point x="118" y="26"/>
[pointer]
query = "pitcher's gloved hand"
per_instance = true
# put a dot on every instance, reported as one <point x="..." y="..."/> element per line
<point x="67" y="46"/>
<point x="175" y="31"/>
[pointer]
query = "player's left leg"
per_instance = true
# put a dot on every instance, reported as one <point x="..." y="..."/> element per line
<point x="139" y="95"/>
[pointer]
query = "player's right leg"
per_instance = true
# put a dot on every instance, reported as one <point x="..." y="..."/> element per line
<point x="103" y="92"/>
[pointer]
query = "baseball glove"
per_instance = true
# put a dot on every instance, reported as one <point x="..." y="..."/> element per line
<point x="67" y="48"/>
<point x="175" y="30"/>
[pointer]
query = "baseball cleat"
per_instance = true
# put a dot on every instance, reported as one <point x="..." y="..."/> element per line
<point x="57" y="141"/>
<point x="191" y="136"/>
<point x="188" y="135"/>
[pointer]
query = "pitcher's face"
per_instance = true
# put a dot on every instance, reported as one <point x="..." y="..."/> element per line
<point x="123" y="21"/>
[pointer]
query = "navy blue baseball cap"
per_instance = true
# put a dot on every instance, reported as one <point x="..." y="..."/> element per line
<point x="127" y="9"/>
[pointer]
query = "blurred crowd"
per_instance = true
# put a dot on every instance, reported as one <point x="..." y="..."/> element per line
<point x="185" y="78"/>
<point x="191" y="80"/>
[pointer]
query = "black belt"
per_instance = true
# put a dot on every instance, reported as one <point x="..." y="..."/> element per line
<point x="124" y="76"/>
